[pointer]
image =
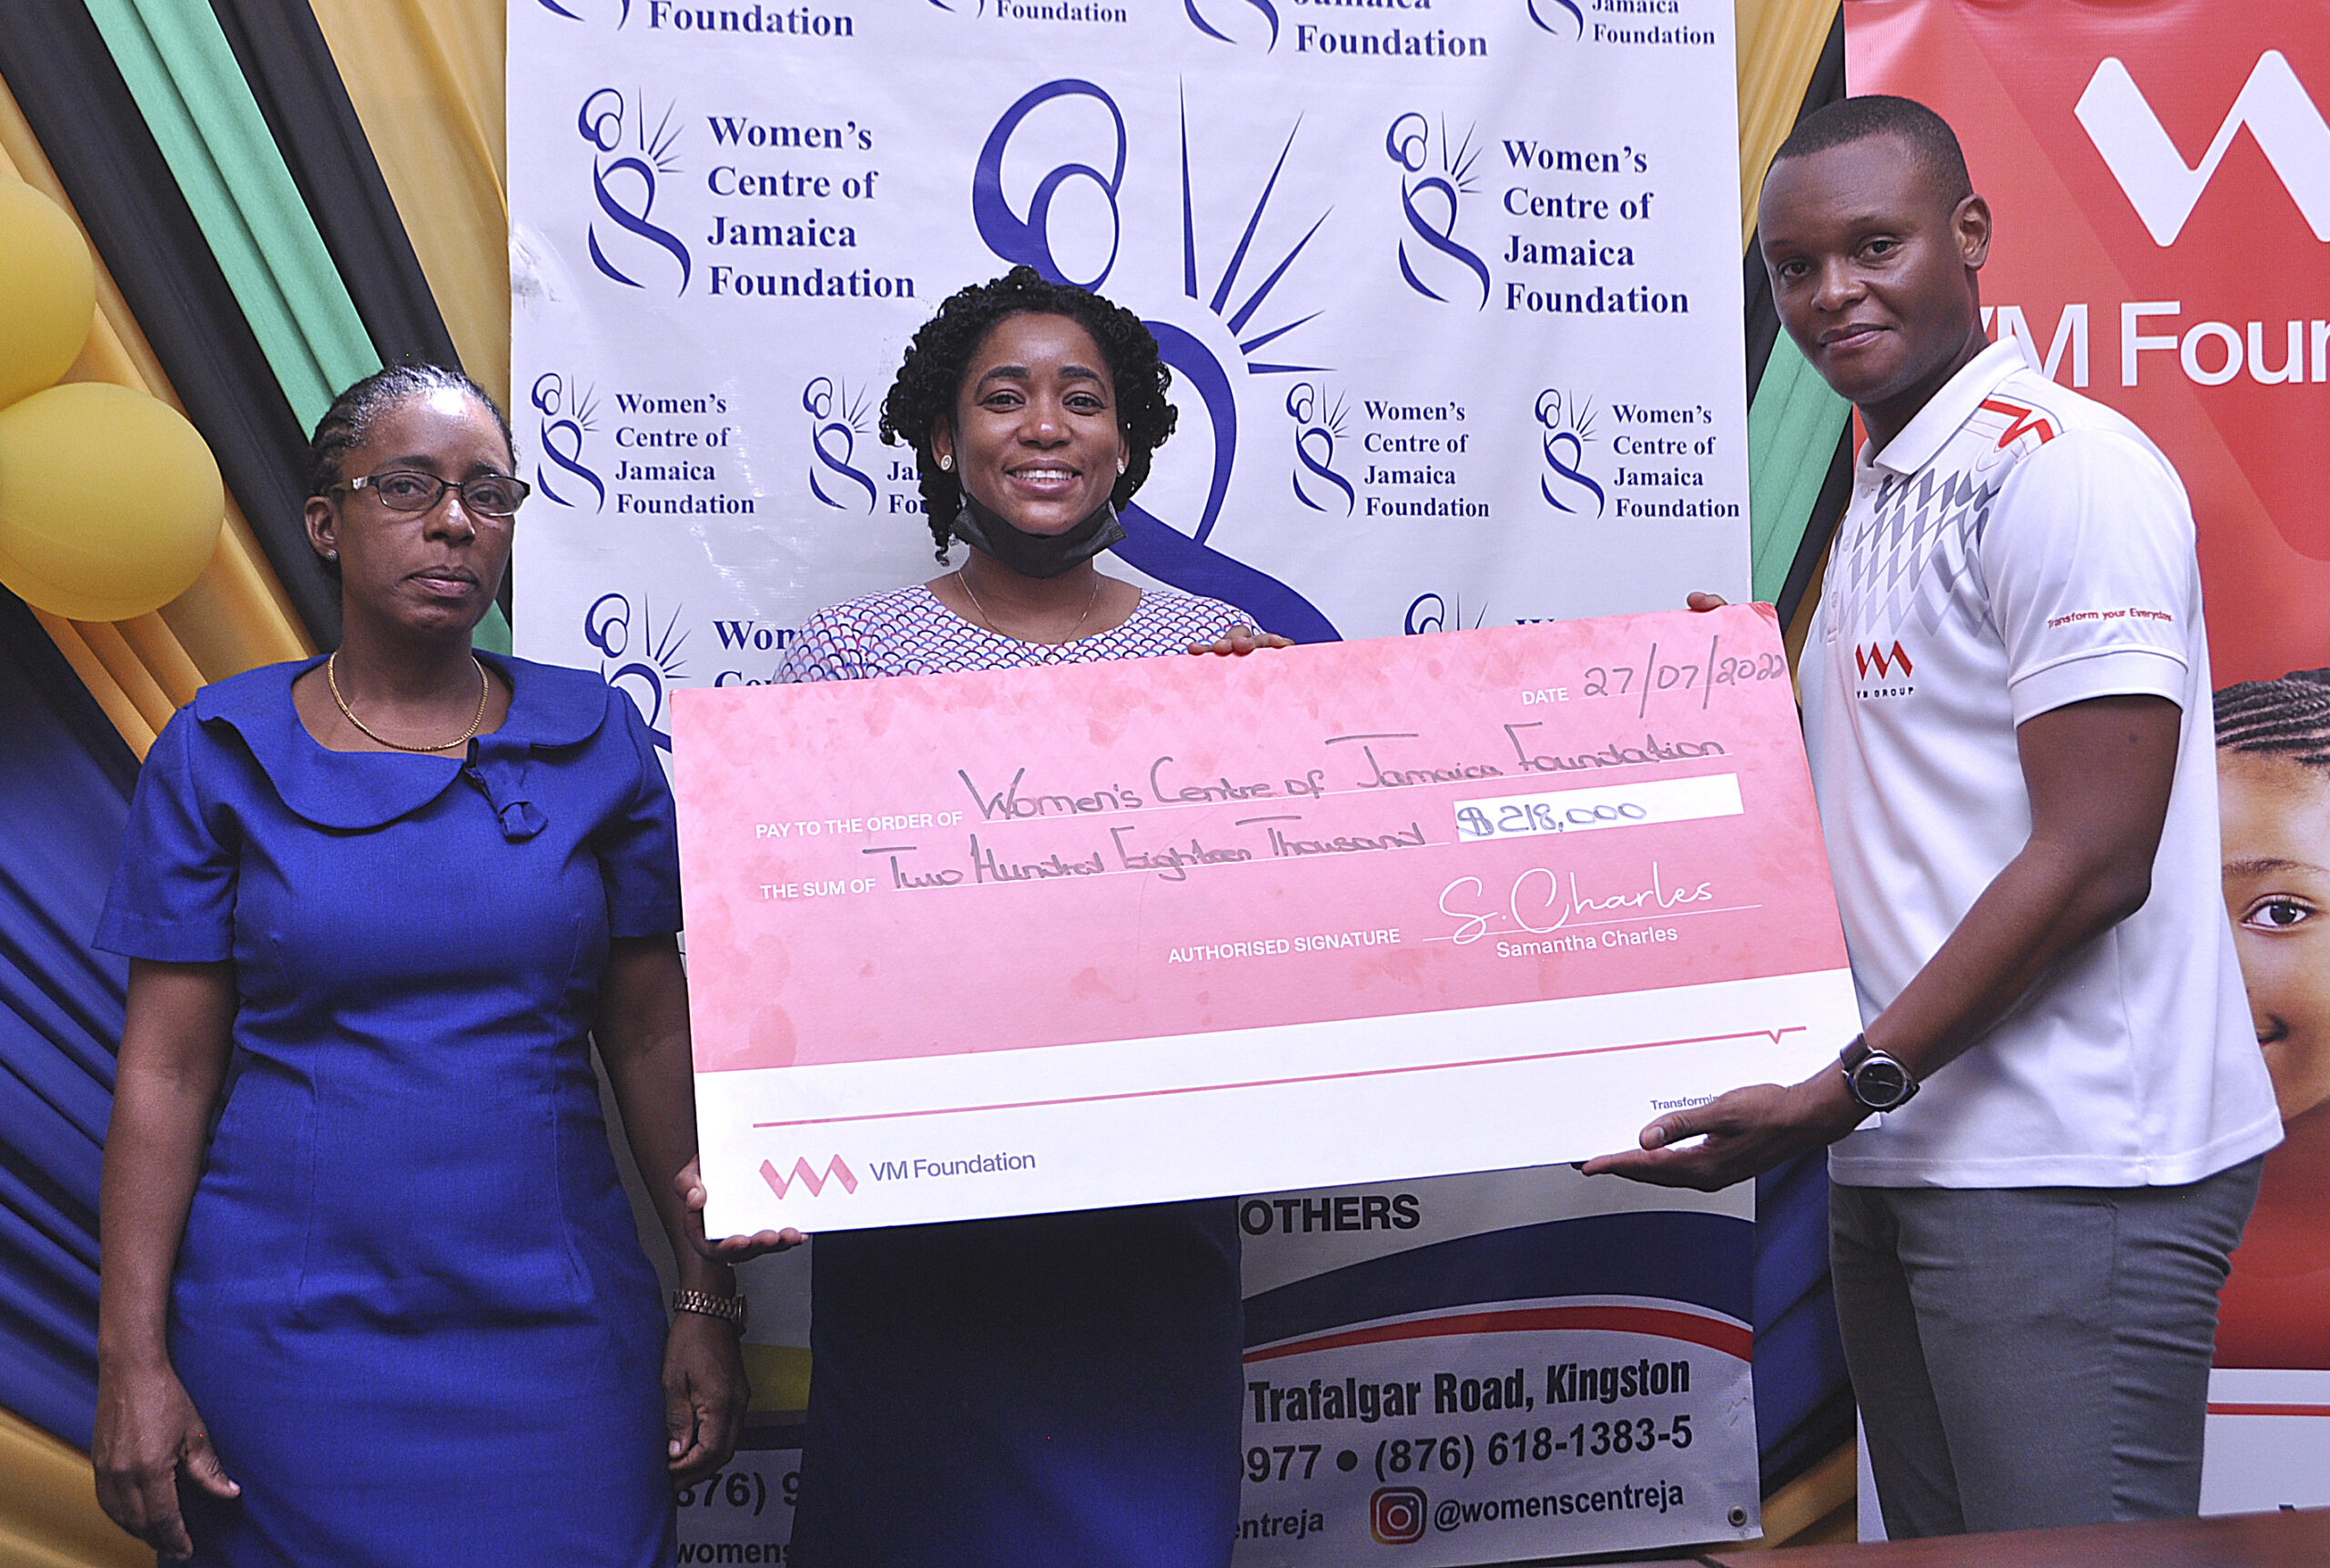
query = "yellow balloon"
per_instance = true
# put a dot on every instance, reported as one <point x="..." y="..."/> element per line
<point x="110" y="503"/>
<point x="48" y="290"/>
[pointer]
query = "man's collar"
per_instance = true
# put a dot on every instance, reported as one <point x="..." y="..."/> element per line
<point x="1950" y="408"/>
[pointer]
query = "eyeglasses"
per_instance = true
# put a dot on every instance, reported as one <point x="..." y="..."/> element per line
<point x="492" y="495"/>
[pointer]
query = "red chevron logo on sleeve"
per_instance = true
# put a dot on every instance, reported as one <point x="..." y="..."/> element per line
<point x="2024" y="421"/>
<point x="836" y="1169"/>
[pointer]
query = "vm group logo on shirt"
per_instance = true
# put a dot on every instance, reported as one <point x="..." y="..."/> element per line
<point x="1883" y="660"/>
<point x="1884" y="671"/>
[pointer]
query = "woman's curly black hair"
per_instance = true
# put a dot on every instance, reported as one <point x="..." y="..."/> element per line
<point x="931" y="378"/>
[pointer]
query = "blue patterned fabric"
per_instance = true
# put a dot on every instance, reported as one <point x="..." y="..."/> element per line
<point x="65" y="783"/>
<point x="908" y="631"/>
<point x="411" y="1304"/>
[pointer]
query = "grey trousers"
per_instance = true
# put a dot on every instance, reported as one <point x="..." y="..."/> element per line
<point x="2033" y="1356"/>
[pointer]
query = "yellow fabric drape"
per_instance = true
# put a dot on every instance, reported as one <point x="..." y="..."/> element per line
<point x="1780" y="46"/>
<point x="426" y="78"/>
<point x="48" y="1506"/>
<point x="236" y="615"/>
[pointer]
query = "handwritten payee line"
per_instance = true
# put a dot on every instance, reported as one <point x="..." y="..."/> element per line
<point x="1775" y="1036"/>
<point x="1721" y="763"/>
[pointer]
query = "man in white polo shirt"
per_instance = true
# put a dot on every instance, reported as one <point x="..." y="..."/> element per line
<point x="2007" y="707"/>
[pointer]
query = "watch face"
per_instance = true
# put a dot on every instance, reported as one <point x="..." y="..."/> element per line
<point x="1881" y="1083"/>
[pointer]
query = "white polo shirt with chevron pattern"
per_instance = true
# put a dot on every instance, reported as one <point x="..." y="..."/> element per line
<point x="2016" y="548"/>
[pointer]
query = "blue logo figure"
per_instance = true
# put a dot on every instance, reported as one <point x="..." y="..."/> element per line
<point x="643" y="676"/>
<point x="1028" y="240"/>
<point x="556" y="9"/>
<point x="1197" y="19"/>
<point x="1150" y="544"/>
<point x="1316" y="425"/>
<point x="1409" y="144"/>
<point x="1569" y="425"/>
<point x="560" y="432"/>
<point x="836" y="422"/>
<point x="601" y="123"/>
<point x="1577" y="27"/>
<point x="1431" y="613"/>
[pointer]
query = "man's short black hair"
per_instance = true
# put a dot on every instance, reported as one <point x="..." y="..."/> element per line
<point x="1931" y="143"/>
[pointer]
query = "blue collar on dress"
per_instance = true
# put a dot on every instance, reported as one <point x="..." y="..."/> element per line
<point x="550" y="707"/>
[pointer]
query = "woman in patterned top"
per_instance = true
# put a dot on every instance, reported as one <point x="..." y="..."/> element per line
<point x="1054" y="1390"/>
<point x="1033" y="409"/>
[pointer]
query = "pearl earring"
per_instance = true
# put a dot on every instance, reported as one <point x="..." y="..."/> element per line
<point x="1120" y="465"/>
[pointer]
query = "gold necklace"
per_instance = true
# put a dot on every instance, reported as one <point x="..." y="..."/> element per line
<point x="1090" y="600"/>
<point x="484" y="690"/>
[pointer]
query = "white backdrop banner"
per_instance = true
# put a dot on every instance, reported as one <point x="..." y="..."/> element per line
<point x="1450" y="290"/>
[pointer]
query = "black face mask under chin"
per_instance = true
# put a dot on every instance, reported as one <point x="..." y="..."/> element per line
<point x="1036" y="554"/>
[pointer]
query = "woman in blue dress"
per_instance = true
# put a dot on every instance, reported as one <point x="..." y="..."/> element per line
<point x="1057" y="1390"/>
<point x="372" y="1293"/>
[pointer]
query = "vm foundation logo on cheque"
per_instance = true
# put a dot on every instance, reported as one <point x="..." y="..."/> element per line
<point x="804" y="1174"/>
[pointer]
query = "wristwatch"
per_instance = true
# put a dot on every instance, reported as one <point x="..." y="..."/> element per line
<point x="1874" y="1079"/>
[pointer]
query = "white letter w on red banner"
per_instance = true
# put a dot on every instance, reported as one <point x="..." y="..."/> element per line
<point x="836" y="1169"/>
<point x="2273" y="104"/>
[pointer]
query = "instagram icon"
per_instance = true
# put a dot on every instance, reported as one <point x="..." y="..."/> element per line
<point x="1396" y="1514"/>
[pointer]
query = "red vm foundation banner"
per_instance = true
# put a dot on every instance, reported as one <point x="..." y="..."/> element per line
<point x="2159" y="174"/>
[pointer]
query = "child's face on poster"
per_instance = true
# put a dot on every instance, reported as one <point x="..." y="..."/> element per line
<point x="2276" y="826"/>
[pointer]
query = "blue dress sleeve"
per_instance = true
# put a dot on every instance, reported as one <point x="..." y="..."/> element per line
<point x="173" y="894"/>
<point x="639" y="848"/>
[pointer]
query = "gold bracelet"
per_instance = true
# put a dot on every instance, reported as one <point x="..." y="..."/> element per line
<point x="729" y="1310"/>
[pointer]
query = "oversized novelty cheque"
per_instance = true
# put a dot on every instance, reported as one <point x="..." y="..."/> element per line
<point x="1012" y="942"/>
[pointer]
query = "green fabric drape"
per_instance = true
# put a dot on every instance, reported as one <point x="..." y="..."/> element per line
<point x="1792" y="430"/>
<point x="1795" y="425"/>
<point x="188" y="86"/>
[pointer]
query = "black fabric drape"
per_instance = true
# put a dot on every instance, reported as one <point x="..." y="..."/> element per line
<point x="1826" y="512"/>
<point x="56" y="63"/>
<point x="1804" y="1404"/>
<point x="293" y="75"/>
<point x="1827" y="86"/>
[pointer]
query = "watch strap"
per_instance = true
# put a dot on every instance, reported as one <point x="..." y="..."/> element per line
<point x="728" y="1308"/>
<point x="1856" y="1051"/>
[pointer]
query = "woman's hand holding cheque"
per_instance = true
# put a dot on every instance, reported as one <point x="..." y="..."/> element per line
<point x="689" y="1184"/>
